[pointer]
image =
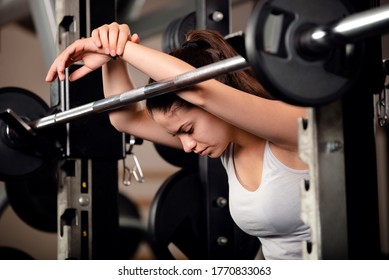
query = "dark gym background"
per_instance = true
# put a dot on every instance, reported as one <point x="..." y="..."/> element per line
<point x="23" y="64"/>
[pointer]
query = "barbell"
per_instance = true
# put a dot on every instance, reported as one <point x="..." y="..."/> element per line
<point x="305" y="53"/>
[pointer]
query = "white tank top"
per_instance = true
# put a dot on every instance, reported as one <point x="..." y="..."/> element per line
<point x="272" y="212"/>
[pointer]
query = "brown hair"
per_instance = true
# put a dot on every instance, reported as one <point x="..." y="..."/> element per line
<point x="204" y="46"/>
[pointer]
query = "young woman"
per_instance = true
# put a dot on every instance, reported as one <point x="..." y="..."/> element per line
<point x="231" y="117"/>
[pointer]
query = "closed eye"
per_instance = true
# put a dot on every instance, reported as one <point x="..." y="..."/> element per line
<point x="184" y="129"/>
<point x="188" y="131"/>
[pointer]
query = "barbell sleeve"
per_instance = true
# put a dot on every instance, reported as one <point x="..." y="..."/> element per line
<point x="181" y="81"/>
<point x="350" y="29"/>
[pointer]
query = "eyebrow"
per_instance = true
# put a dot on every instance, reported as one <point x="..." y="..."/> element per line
<point x="179" y="130"/>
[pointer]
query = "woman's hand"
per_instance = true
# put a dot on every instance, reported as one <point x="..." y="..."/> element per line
<point x="112" y="38"/>
<point x="106" y="42"/>
<point x="82" y="49"/>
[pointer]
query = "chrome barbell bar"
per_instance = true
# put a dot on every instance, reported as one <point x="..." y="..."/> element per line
<point x="151" y="90"/>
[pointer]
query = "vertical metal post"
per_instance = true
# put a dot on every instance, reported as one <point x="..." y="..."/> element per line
<point x="223" y="236"/>
<point x="87" y="197"/>
<point x="215" y="15"/>
<point x="75" y="211"/>
<point x="323" y="203"/>
<point x="70" y="223"/>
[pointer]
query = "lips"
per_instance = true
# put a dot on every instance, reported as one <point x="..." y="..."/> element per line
<point x="203" y="152"/>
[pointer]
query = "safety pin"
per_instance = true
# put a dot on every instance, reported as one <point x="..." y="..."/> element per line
<point x="126" y="170"/>
<point x="136" y="170"/>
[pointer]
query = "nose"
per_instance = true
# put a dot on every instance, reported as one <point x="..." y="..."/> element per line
<point x="188" y="143"/>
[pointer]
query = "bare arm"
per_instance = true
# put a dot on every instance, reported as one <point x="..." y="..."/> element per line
<point x="131" y="119"/>
<point x="272" y="120"/>
<point x="134" y="118"/>
<point x="268" y="119"/>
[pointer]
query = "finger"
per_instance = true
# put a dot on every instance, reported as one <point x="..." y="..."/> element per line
<point x="113" y="38"/>
<point x="52" y="73"/>
<point x="79" y="73"/>
<point x="124" y="36"/>
<point x="61" y="66"/>
<point x="68" y="57"/>
<point x="135" y="38"/>
<point x="57" y="68"/>
<point x="96" y="38"/>
<point x="103" y="35"/>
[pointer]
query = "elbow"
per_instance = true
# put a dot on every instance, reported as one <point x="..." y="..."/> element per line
<point x="117" y="122"/>
<point x="195" y="95"/>
<point x="124" y="120"/>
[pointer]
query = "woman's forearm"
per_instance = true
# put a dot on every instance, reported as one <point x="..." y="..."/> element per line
<point x="116" y="78"/>
<point x="155" y="64"/>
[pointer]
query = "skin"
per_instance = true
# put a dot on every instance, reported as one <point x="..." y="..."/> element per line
<point x="222" y="114"/>
<point x="191" y="126"/>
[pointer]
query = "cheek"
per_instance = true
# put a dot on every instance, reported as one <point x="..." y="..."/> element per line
<point x="213" y="129"/>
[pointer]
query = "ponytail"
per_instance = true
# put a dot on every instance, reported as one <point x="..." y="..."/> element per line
<point x="221" y="49"/>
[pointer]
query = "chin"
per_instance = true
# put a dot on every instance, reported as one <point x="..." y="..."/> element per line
<point x="213" y="155"/>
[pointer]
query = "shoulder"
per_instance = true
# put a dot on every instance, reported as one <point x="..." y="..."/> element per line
<point x="291" y="159"/>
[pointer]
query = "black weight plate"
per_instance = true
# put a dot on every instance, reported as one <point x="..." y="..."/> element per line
<point x="177" y="216"/>
<point x="177" y="157"/>
<point x="34" y="199"/>
<point x="131" y="231"/>
<point x="15" y="162"/>
<point x="175" y="33"/>
<point x="168" y="43"/>
<point x="271" y="45"/>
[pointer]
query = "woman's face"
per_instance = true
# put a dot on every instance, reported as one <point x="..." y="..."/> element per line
<point x="198" y="130"/>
